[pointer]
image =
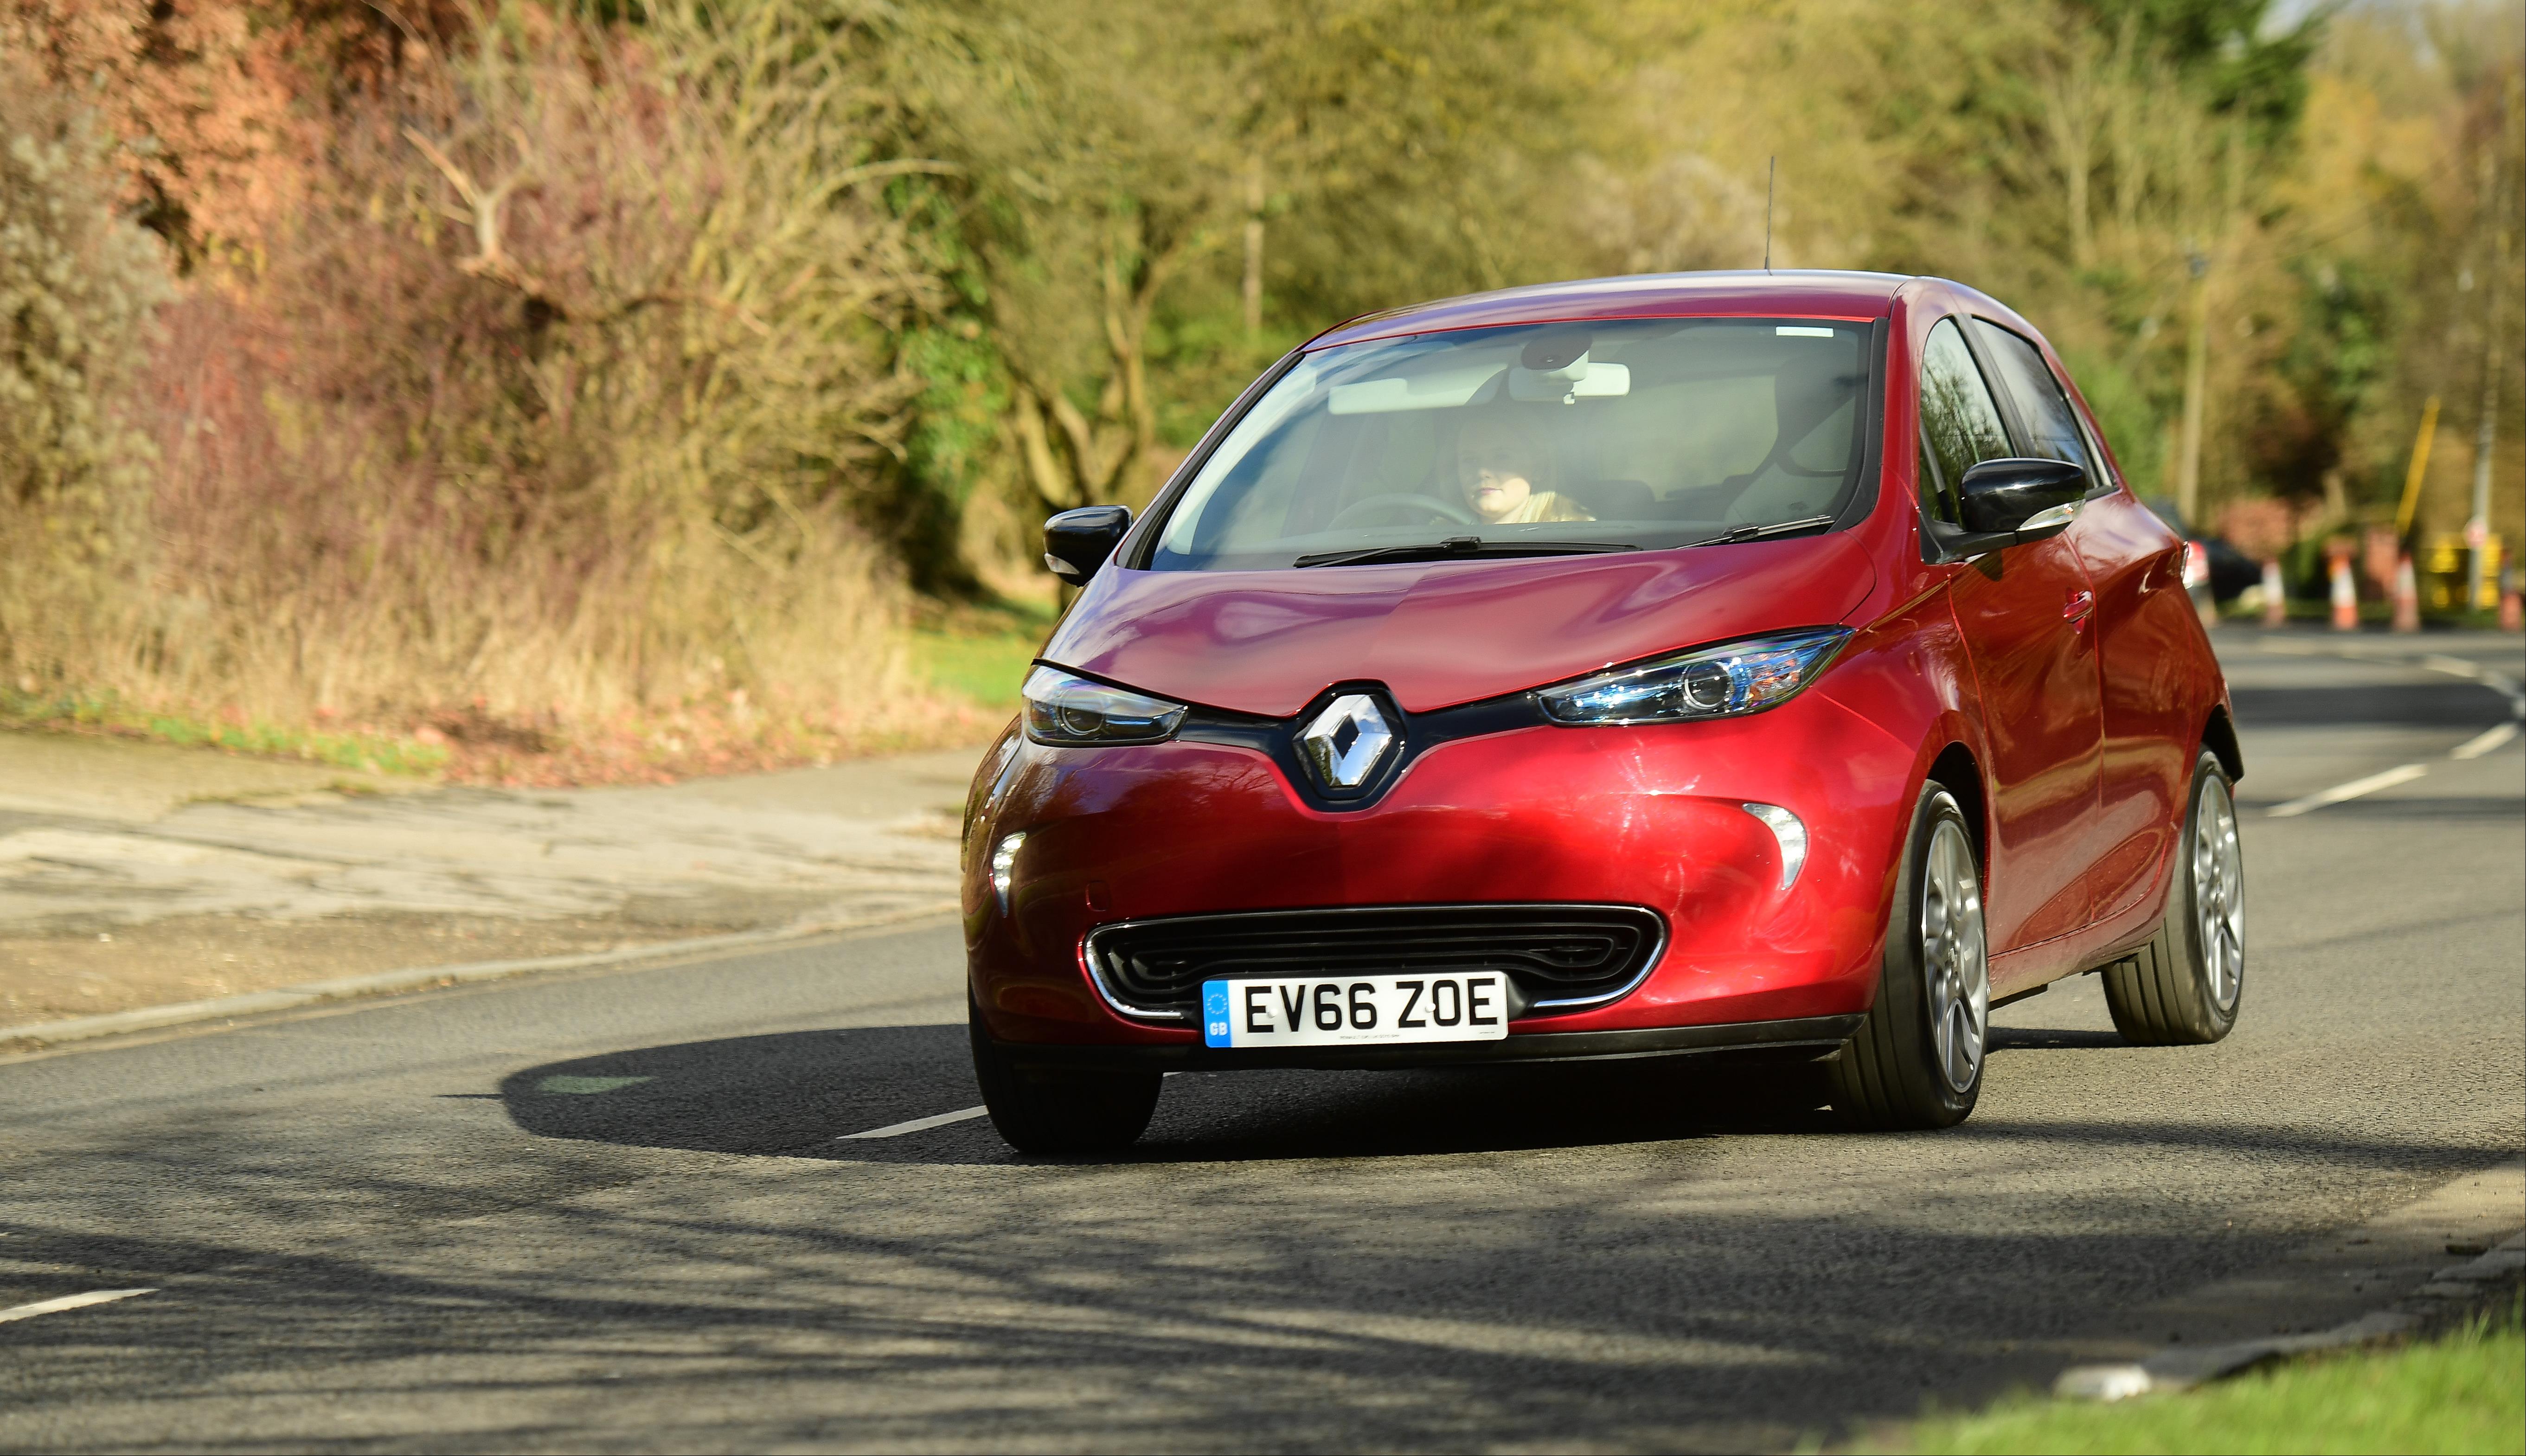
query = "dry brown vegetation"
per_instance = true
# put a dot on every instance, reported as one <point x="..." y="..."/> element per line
<point x="574" y="390"/>
<point x="534" y="411"/>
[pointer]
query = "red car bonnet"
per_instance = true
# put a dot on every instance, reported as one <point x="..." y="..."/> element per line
<point x="1438" y="635"/>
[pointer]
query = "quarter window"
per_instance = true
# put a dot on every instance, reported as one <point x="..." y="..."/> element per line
<point x="1938" y="497"/>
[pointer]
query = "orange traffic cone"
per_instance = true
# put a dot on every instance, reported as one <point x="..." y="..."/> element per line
<point x="2512" y="600"/>
<point x="2275" y="596"/>
<point x="2407" y="596"/>
<point x="2346" y="597"/>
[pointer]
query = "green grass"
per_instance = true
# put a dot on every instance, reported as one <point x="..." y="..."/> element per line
<point x="982" y="655"/>
<point x="362" y="752"/>
<point x="2465" y="1391"/>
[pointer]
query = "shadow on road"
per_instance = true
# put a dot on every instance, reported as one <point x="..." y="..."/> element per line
<point x="2430" y="704"/>
<point x="2052" y="1039"/>
<point x="797" y="1094"/>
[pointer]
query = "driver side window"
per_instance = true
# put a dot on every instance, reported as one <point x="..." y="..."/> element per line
<point x="1960" y="425"/>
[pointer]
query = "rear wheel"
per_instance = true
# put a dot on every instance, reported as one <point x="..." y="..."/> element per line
<point x="2184" y="986"/>
<point x="1059" y="1111"/>
<point x="1916" y="1061"/>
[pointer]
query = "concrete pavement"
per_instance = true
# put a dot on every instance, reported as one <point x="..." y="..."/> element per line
<point x="133" y="874"/>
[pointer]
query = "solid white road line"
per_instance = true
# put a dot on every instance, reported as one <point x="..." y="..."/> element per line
<point x="2352" y="791"/>
<point x="2489" y="739"/>
<point x="917" y="1125"/>
<point x="67" y="1301"/>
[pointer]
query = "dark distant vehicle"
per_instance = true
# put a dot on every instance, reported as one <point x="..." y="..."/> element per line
<point x="2213" y="567"/>
<point x="1732" y="662"/>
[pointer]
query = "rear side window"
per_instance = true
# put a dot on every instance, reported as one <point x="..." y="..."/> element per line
<point x="1959" y="423"/>
<point x="2041" y="404"/>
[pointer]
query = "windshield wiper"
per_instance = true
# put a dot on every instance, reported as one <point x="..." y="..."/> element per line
<point x="1758" y="532"/>
<point x="1459" y="547"/>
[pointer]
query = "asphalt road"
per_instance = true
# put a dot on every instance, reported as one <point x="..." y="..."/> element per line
<point x="611" y="1211"/>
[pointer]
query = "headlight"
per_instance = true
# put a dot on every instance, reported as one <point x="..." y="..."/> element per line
<point x="1706" y="683"/>
<point x="1061" y="709"/>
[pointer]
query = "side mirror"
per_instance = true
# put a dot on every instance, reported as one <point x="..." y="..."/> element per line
<point x="2010" y="502"/>
<point x="1077" y="542"/>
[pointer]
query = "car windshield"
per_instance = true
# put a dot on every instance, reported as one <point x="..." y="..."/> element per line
<point x="1536" y="439"/>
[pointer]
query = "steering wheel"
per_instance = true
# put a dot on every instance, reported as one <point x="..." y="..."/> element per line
<point x="1437" y="508"/>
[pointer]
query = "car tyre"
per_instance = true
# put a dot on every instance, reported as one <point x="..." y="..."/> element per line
<point x="2184" y="986"/>
<point x="1917" y="1061"/>
<point x="1059" y="1112"/>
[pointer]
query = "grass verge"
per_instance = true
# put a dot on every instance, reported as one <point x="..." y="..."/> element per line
<point x="359" y="751"/>
<point x="981" y="654"/>
<point x="2461" y="1391"/>
<point x="467" y="745"/>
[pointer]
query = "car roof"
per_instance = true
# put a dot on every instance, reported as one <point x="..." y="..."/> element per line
<point x="1795" y="293"/>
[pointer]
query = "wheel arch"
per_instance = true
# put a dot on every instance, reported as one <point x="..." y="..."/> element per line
<point x="2219" y="735"/>
<point x="1955" y="770"/>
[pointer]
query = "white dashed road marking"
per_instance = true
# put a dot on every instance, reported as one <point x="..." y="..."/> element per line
<point x="67" y="1301"/>
<point x="917" y="1125"/>
<point x="2352" y="791"/>
<point x="2489" y="739"/>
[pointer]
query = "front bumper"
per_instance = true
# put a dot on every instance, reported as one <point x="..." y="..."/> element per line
<point x="1648" y="816"/>
<point x="1807" y="1035"/>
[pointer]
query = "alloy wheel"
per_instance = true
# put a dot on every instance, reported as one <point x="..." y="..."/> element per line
<point x="2218" y="894"/>
<point x="1954" y="961"/>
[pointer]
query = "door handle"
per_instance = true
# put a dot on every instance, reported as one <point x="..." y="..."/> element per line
<point x="2078" y="608"/>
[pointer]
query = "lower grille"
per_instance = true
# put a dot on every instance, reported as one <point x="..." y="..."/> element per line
<point x="1562" y="957"/>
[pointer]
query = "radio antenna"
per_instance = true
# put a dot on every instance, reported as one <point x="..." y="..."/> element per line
<point x="1771" y="182"/>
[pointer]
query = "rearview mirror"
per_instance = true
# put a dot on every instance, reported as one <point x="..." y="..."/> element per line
<point x="1077" y="542"/>
<point x="2010" y="502"/>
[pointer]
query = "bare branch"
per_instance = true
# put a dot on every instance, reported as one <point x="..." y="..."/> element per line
<point x="491" y="259"/>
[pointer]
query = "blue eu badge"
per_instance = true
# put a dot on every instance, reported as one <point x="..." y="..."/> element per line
<point x="1214" y="1013"/>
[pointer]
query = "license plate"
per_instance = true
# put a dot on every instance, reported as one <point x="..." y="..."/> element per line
<point x="1355" y="1010"/>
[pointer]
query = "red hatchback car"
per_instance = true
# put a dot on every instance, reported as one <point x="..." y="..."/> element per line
<point x="1642" y="665"/>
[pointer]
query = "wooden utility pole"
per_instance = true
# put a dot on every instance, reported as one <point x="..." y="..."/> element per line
<point x="2197" y="388"/>
<point x="2197" y="351"/>
<point x="1253" y="286"/>
<point x="2477" y="526"/>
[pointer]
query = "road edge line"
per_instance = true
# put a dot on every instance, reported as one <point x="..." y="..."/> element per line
<point x="45" y="1034"/>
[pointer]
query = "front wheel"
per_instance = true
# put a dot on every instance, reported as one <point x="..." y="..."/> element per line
<point x="1916" y="1061"/>
<point x="1059" y="1112"/>
<point x="2183" y="987"/>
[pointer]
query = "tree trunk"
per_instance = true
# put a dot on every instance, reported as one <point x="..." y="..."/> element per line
<point x="1074" y="459"/>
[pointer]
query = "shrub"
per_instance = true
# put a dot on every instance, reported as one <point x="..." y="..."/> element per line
<point x="547" y="405"/>
<point x="78" y="285"/>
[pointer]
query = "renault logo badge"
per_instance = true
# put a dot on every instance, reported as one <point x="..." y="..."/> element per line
<point x="1347" y="742"/>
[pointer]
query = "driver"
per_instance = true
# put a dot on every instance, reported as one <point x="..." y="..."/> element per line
<point x="1506" y="475"/>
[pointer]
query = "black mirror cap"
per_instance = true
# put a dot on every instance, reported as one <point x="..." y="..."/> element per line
<point x="1077" y="542"/>
<point x="2006" y="495"/>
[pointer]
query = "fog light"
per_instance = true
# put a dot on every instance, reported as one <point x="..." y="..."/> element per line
<point x="1788" y="832"/>
<point x="1004" y="864"/>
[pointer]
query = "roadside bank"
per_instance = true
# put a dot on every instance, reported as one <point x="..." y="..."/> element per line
<point x="136" y="875"/>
